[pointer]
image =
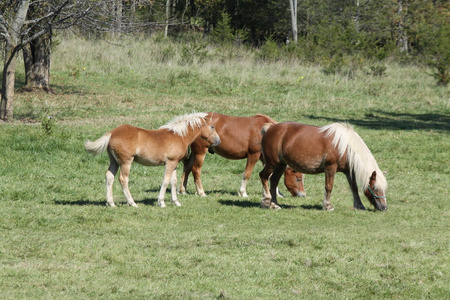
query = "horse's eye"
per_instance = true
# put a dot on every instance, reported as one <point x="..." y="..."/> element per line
<point x="212" y="126"/>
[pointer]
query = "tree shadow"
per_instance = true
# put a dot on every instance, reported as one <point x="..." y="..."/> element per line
<point x="379" y="119"/>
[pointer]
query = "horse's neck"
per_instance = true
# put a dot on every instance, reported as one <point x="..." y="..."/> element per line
<point x="191" y="136"/>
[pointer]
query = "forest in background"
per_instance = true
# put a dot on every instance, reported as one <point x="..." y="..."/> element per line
<point x="338" y="35"/>
<point x="375" y="29"/>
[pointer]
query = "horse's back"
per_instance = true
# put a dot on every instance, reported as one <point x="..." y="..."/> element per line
<point x="239" y="135"/>
<point x="301" y="146"/>
<point x="148" y="147"/>
<point x="286" y="132"/>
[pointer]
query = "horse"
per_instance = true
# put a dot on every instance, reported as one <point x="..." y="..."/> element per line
<point x="312" y="150"/>
<point x="294" y="182"/>
<point x="164" y="146"/>
<point x="241" y="138"/>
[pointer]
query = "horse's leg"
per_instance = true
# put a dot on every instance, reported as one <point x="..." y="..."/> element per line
<point x="187" y="168"/>
<point x="197" y="171"/>
<point x="330" y="172"/>
<point x="110" y="175"/>
<point x="274" y="180"/>
<point x="357" y="204"/>
<point x="173" y="181"/>
<point x="252" y="159"/>
<point x="123" y="178"/>
<point x="264" y="176"/>
<point x="168" y="173"/>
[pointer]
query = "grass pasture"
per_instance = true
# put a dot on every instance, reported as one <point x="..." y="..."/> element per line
<point x="59" y="241"/>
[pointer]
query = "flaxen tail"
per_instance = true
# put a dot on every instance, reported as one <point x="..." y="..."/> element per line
<point x="99" y="146"/>
<point x="265" y="128"/>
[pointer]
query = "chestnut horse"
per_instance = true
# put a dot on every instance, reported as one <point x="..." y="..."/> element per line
<point x="240" y="138"/>
<point x="165" y="146"/>
<point x="294" y="182"/>
<point x="312" y="150"/>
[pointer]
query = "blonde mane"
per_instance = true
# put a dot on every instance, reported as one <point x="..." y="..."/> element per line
<point x="180" y="124"/>
<point x="359" y="157"/>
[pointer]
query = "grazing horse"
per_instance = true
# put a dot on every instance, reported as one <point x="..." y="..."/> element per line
<point x="312" y="150"/>
<point x="295" y="182"/>
<point x="165" y="146"/>
<point x="240" y="138"/>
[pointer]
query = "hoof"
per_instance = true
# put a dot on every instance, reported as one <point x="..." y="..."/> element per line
<point x="328" y="207"/>
<point x="176" y="203"/>
<point x="274" y="206"/>
<point x="110" y="204"/>
<point x="266" y="202"/>
<point x="243" y="194"/>
<point x="161" y="203"/>
<point x="202" y="194"/>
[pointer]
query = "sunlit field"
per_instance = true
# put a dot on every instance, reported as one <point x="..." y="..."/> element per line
<point x="59" y="240"/>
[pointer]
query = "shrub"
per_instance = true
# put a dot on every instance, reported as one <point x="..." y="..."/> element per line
<point x="441" y="55"/>
<point x="269" y="51"/>
<point x="223" y="33"/>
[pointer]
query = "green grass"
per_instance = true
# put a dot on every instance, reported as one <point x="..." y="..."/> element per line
<point x="58" y="240"/>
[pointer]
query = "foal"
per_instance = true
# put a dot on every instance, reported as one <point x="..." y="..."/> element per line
<point x="165" y="146"/>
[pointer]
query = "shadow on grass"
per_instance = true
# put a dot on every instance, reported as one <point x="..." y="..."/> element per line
<point x="84" y="202"/>
<point x="247" y="204"/>
<point x="213" y="192"/>
<point x="311" y="207"/>
<point x="379" y="119"/>
<point x="147" y="201"/>
<point x="80" y="202"/>
<point x="239" y="203"/>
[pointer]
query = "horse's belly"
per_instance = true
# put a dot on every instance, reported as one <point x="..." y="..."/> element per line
<point x="314" y="166"/>
<point x="148" y="162"/>
<point x="230" y="152"/>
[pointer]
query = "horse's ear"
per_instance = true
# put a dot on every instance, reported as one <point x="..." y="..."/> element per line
<point x="374" y="175"/>
<point x="211" y="118"/>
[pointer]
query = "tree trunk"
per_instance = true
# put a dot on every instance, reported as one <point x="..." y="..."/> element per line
<point x="293" y="5"/>
<point x="166" y="29"/>
<point x="402" y="38"/>
<point x="36" y="58"/>
<point x="9" y="78"/>
<point x="12" y="37"/>
<point x="119" y="12"/>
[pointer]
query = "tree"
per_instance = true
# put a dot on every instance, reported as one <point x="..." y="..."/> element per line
<point x="11" y="33"/>
<point x="293" y="6"/>
<point x="402" y="37"/>
<point x="29" y="26"/>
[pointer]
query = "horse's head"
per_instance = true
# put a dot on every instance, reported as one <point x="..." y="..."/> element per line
<point x="208" y="132"/>
<point x="375" y="195"/>
<point x="293" y="181"/>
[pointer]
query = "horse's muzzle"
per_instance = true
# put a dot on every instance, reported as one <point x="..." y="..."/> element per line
<point x="216" y="142"/>
<point x="381" y="207"/>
